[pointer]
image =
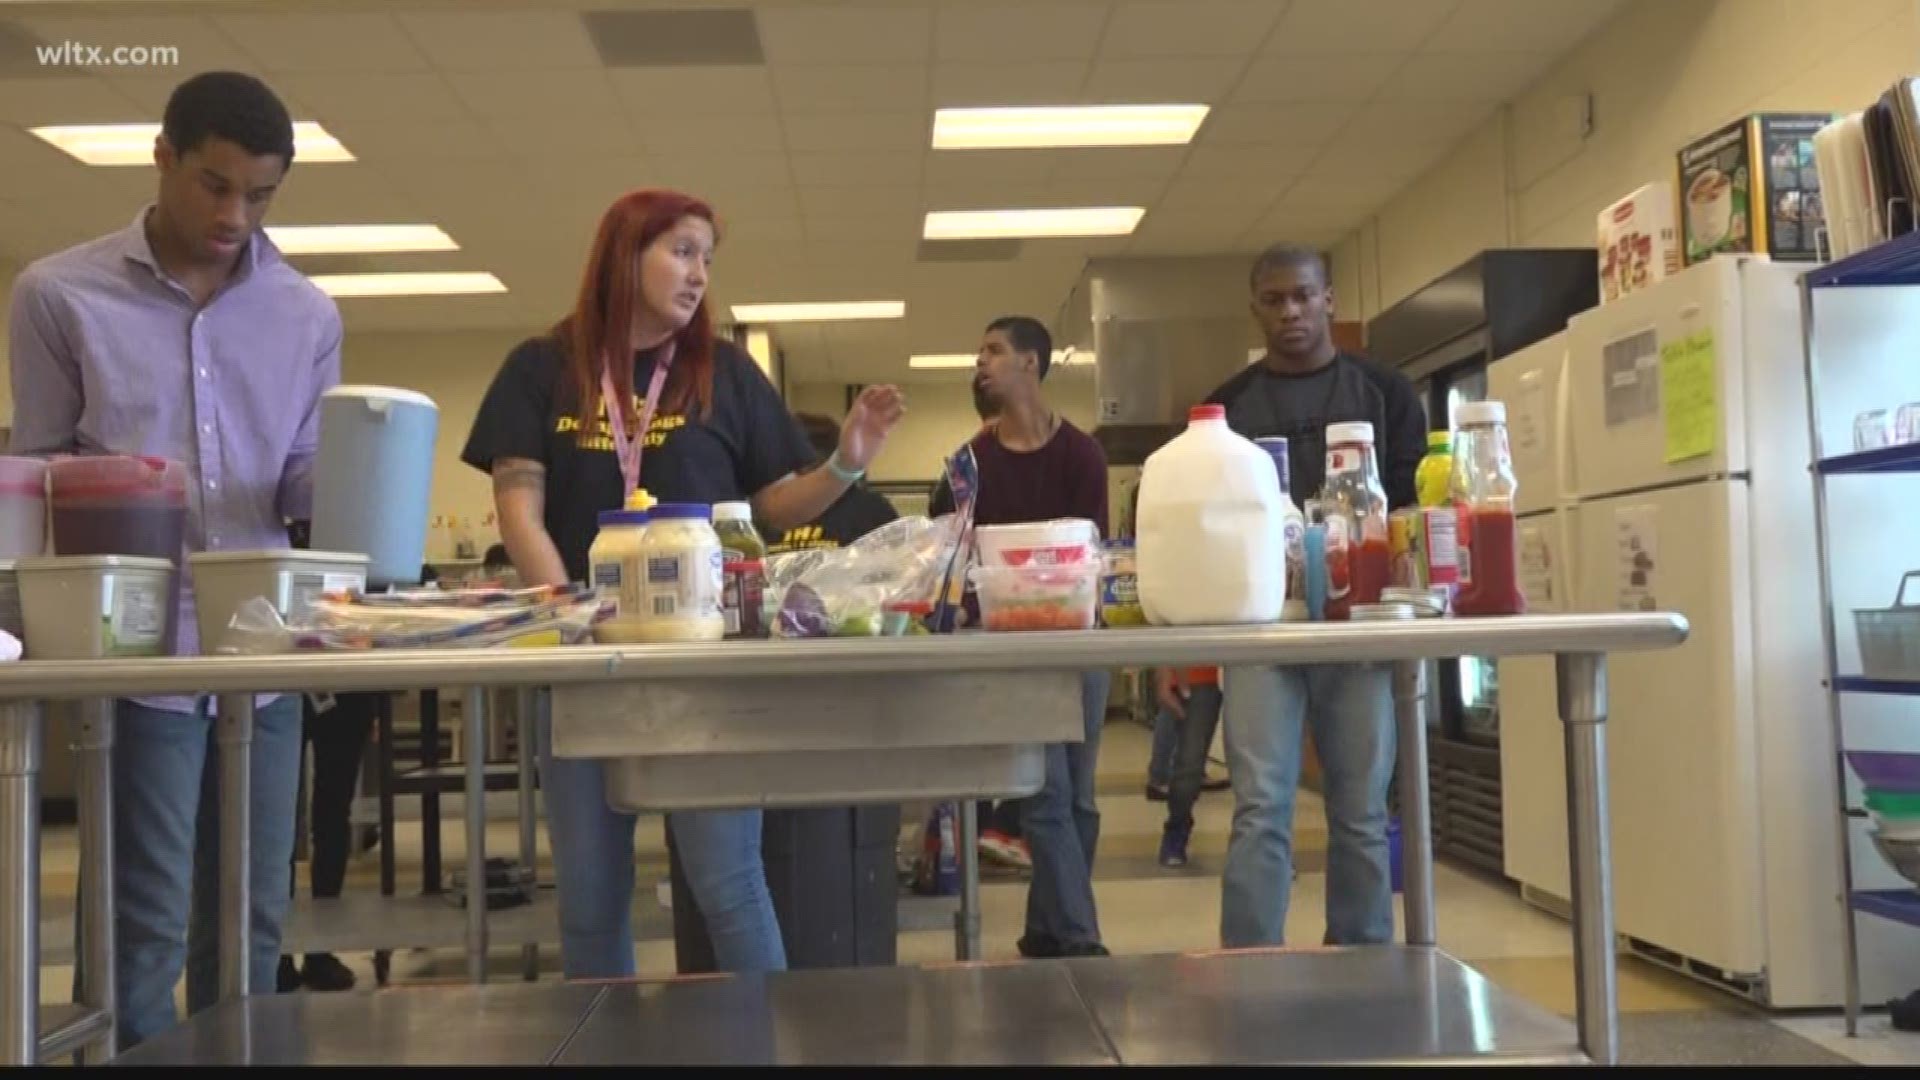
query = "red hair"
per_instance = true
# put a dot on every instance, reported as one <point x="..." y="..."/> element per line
<point x="600" y="327"/>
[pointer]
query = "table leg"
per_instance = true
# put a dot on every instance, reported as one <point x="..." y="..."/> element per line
<point x="234" y="728"/>
<point x="1582" y="680"/>
<point x="20" y="751"/>
<point x="966" y="921"/>
<point x="1416" y="823"/>
<point x="527" y="703"/>
<point x="476" y="894"/>
<point x="92" y="726"/>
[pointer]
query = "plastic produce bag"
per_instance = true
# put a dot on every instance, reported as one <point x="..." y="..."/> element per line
<point x="846" y="592"/>
<point x="422" y="619"/>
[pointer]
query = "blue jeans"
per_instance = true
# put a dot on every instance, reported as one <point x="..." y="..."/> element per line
<point x="166" y="857"/>
<point x="1062" y="827"/>
<point x="593" y="864"/>
<point x="1349" y="708"/>
<point x="1166" y="743"/>
<point x="1189" y="772"/>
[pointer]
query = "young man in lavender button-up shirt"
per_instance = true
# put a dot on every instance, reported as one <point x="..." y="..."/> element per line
<point x="186" y="336"/>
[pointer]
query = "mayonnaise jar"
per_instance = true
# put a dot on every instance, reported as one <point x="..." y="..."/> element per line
<point x="614" y="563"/>
<point x="680" y="572"/>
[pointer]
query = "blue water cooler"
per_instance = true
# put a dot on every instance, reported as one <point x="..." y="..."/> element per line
<point x="374" y="480"/>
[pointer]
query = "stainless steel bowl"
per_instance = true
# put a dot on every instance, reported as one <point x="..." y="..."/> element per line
<point x="1902" y="855"/>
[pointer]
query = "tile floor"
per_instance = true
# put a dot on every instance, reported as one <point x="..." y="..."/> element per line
<point x="1146" y="909"/>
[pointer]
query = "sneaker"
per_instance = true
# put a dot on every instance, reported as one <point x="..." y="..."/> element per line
<point x="287" y="979"/>
<point x="1036" y="946"/>
<point x="1156" y="792"/>
<point x="1081" y="949"/>
<point x="1173" y="844"/>
<point x="1218" y="783"/>
<point x="325" y="972"/>
<point x="1020" y="855"/>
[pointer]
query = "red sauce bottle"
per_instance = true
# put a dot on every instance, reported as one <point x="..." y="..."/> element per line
<point x="1484" y="490"/>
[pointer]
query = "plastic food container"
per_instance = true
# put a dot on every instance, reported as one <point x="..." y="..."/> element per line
<point x="1902" y="854"/>
<point x="1881" y="770"/>
<point x="1890" y="637"/>
<point x="91" y="606"/>
<point x="1061" y="542"/>
<point x="289" y="579"/>
<point x="23" y="507"/>
<point x="10" y="617"/>
<point x="1896" y="814"/>
<point x="1038" y="597"/>
<point x="1120" y="588"/>
<point x="134" y="506"/>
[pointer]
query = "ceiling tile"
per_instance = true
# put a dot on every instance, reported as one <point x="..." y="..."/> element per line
<point x="535" y="95"/>
<point x="1486" y="78"/>
<point x="202" y="46"/>
<point x="986" y="195"/>
<point x="991" y="33"/>
<point x="1175" y="234"/>
<point x="1154" y="162"/>
<point x="1321" y="78"/>
<point x="850" y="87"/>
<point x="340" y="196"/>
<point x="1415" y="121"/>
<point x="853" y="201"/>
<point x="1236" y="199"/>
<point x="1189" y="27"/>
<point x="501" y="40"/>
<point x="1158" y="81"/>
<point x="960" y="167"/>
<point x="1303" y="125"/>
<point x="149" y="92"/>
<point x="701" y="90"/>
<point x="335" y="41"/>
<point x="1313" y="27"/>
<point x="1549" y="26"/>
<point x="1270" y="164"/>
<point x="817" y="35"/>
<point x="739" y="133"/>
<point x="1083" y="188"/>
<point x="858" y="130"/>
<point x="380" y="144"/>
<point x="567" y="133"/>
<point x="888" y="167"/>
<point x="371" y="97"/>
<point x="76" y="99"/>
<point x="1031" y="83"/>
<point x="1337" y="191"/>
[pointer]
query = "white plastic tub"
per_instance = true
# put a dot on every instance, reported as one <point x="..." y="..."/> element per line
<point x="289" y="579"/>
<point x="1065" y="597"/>
<point x="1061" y="542"/>
<point x="84" y="607"/>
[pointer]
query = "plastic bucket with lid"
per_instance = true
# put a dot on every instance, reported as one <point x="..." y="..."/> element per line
<point x="23" y="507"/>
<point x="290" y="580"/>
<point x="1062" y="542"/>
<point x="118" y="505"/>
<point x="91" y="606"/>
<point x="374" y="479"/>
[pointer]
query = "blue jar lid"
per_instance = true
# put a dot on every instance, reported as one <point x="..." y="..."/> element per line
<point x="683" y="512"/>
<point x="623" y="517"/>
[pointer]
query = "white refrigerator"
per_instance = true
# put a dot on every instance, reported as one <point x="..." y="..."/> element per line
<point x="1687" y="488"/>
<point x="1532" y="383"/>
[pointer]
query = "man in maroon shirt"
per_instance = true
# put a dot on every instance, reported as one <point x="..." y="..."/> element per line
<point x="1035" y="466"/>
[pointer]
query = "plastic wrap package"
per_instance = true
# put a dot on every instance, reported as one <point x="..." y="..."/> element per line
<point x="423" y="619"/>
<point x="848" y="592"/>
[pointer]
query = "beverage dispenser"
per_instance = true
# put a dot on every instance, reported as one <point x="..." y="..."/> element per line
<point x="375" y="477"/>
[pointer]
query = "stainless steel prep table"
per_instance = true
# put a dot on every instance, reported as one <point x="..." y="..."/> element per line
<point x="820" y="672"/>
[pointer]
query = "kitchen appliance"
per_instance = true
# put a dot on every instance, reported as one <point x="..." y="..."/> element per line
<point x="1681" y="438"/>
<point x="1444" y="337"/>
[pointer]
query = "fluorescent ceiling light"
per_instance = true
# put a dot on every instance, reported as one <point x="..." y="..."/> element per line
<point x="1065" y="126"/>
<point x="955" y="361"/>
<point x="358" y="239"/>
<point x="1031" y="224"/>
<point x="132" y="144"/>
<point x="421" y="283"/>
<point x="842" y="311"/>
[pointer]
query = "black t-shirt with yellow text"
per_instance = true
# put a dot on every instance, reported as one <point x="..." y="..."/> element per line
<point x="748" y="443"/>
<point x="855" y="514"/>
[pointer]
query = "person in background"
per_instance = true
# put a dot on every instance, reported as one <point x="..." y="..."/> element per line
<point x="186" y="336"/>
<point x="552" y="432"/>
<point x="1035" y="466"/>
<point x="852" y="516"/>
<point x="1168" y="723"/>
<point x="1302" y="385"/>
<point x="1194" y="702"/>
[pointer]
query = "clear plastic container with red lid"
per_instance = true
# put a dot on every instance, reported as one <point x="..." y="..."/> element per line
<point x="118" y="505"/>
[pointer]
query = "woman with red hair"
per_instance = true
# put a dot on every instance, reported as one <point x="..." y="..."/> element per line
<point x="707" y="428"/>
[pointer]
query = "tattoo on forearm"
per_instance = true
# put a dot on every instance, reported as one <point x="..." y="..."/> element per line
<point x="511" y="475"/>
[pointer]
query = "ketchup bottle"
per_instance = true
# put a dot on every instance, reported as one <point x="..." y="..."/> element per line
<point x="1356" y="508"/>
<point x="1483" y="490"/>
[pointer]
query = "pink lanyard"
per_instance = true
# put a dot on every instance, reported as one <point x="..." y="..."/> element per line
<point x="626" y="449"/>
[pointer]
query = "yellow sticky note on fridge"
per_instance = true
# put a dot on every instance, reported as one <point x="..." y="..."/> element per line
<point x="1689" y="396"/>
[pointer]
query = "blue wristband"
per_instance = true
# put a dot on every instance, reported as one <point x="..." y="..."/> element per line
<point x="841" y="472"/>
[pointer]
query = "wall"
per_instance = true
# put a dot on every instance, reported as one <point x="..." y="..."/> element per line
<point x="940" y="417"/>
<point x="8" y="272"/>
<point x="1660" y="73"/>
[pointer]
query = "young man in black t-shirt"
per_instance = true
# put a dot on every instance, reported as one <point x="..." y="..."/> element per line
<point x="1303" y="384"/>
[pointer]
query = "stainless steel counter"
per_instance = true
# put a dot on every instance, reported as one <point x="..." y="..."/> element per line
<point x="1383" y="1005"/>
<point x="813" y="675"/>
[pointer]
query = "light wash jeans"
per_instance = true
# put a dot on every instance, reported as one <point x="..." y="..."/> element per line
<point x="1349" y="709"/>
<point x="1062" y="828"/>
<point x="166" y="857"/>
<point x="593" y="864"/>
